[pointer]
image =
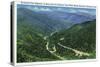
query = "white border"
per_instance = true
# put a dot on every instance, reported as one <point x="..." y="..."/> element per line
<point x="14" y="4"/>
<point x="14" y="10"/>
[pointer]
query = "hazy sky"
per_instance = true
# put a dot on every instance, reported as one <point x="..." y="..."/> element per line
<point x="61" y="9"/>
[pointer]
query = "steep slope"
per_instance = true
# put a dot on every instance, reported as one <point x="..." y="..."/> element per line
<point x="75" y="15"/>
<point x="40" y="21"/>
<point x="42" y="38"/>
<point x="76" y="18"/>
<point x="81" y="37"/>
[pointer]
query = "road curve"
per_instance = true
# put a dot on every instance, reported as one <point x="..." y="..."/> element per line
<point x="77" y="52"/>
<point x="53" y="52"/>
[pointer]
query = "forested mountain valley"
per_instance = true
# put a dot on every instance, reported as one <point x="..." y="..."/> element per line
<point x="45" y="37"/>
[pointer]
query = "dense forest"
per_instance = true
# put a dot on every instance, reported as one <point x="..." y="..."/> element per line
<point x="41" y="38"/>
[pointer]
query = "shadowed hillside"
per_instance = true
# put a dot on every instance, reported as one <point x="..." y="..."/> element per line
<point x="55" y="35"/>
<point x="33" y="46"/>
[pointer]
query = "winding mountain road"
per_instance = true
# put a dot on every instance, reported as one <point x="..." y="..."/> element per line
<point x="53" y="51"/>
<point x="77" y="52"/>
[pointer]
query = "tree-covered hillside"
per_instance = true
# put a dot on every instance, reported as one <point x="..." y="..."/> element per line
<point x="77" y="42"/>
<point x="81" y="37"/>
<point x="47" y="33"/>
